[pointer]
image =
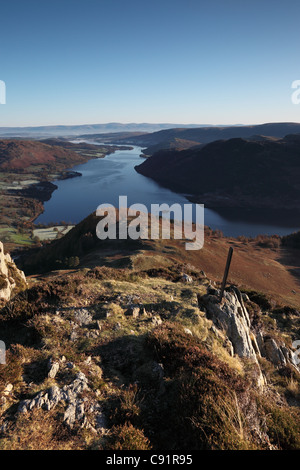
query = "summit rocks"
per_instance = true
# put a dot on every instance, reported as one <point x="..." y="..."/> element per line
<point x="11" y="278"/>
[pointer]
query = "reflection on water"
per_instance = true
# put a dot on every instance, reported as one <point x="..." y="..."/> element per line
<point x="103" y="180"/>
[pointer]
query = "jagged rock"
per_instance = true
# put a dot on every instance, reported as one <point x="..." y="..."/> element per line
<point x="227" y="344"/>
<point x="290" y="357"/>
<point x="83" y="317"/>
<point x="156" y="320"/>
<point x="2" y="352"/>
<point x="70" y="415"/>
<point x="92" y="334"/>
<point x="10" y="275"/>
<point x="186" y="278"/>
<point x="188" y="331"/>
<point x="54" y="395"/>
<point x="212" y="290"/>
<point x="232" y="318"/>
<point x="133" y="311"/>
<point x="260" y="342"/>
<point x="53" y="368"/>
<point x="24" y="406"/>
<point x="8" y="389"/>
<point x="4" y="259"/>
<point x="274" y="353"/>
<point x="279" y="355"/>
<point x="76" y="409"/>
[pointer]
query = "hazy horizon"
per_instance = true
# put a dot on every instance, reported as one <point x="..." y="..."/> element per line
<point x="83" y="124"/>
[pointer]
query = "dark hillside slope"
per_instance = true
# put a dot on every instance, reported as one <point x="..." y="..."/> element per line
<point x="206" y="135"/>
<point x="233" y="173"/>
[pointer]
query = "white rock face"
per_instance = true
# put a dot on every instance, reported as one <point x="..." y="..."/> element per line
<point x="81" y="411"/>
<point x="8" y="281"/>
<point x="232" y="318"/>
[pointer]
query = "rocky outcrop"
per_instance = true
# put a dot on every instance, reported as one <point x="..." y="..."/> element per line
<point x="232" y="325"/>
<point x="186" y="278"/>
<point x="279" y="354"/>
<point x="231" y="317"/>
<point x="78" y="411"/>
<point x="11" y="278"/>
<point x="53" y="368"/>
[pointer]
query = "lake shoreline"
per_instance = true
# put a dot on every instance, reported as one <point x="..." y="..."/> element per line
<point x="117" y="175"/>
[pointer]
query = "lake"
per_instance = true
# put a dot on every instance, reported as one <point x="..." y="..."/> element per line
<point x="103" y="180"/>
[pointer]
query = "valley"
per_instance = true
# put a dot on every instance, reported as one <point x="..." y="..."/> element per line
<point x="110" y="341"/>
<point x="26" y="170"/>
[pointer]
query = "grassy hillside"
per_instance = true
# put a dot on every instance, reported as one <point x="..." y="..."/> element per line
<point x="123" y="340"/>
<point x="19" y="155"/>
<point x="26" y="170"/>
<point x="258" y="264"/>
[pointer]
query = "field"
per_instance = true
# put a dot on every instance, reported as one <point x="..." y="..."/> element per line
<point x="51" y="233"/>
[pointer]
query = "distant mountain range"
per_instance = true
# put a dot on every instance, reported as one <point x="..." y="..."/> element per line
<point x="205" y="135"/>
<point x="232" y="173"/>
<point x="146" y="134"/>
<point x="112" y="127"/>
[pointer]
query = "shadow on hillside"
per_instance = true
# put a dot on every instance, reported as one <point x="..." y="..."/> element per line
<point x="290" y="258"/>
<point x="121" y="357"/>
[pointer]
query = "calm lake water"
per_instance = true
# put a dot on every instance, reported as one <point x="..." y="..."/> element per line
<point x="103" y="180"/>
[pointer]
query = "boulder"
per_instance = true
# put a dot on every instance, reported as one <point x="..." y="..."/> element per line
<point x="273" y="353"/>
<point x="186" y="278"/>
<point x="53" y="368"/>
<point x="10" y="276"/>
<point x="83" y="317"/>
<point x="133" y="311"/>
<point x="156" y="320"/>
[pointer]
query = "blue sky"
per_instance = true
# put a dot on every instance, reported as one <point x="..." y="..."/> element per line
<point x="177" y="61"/>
